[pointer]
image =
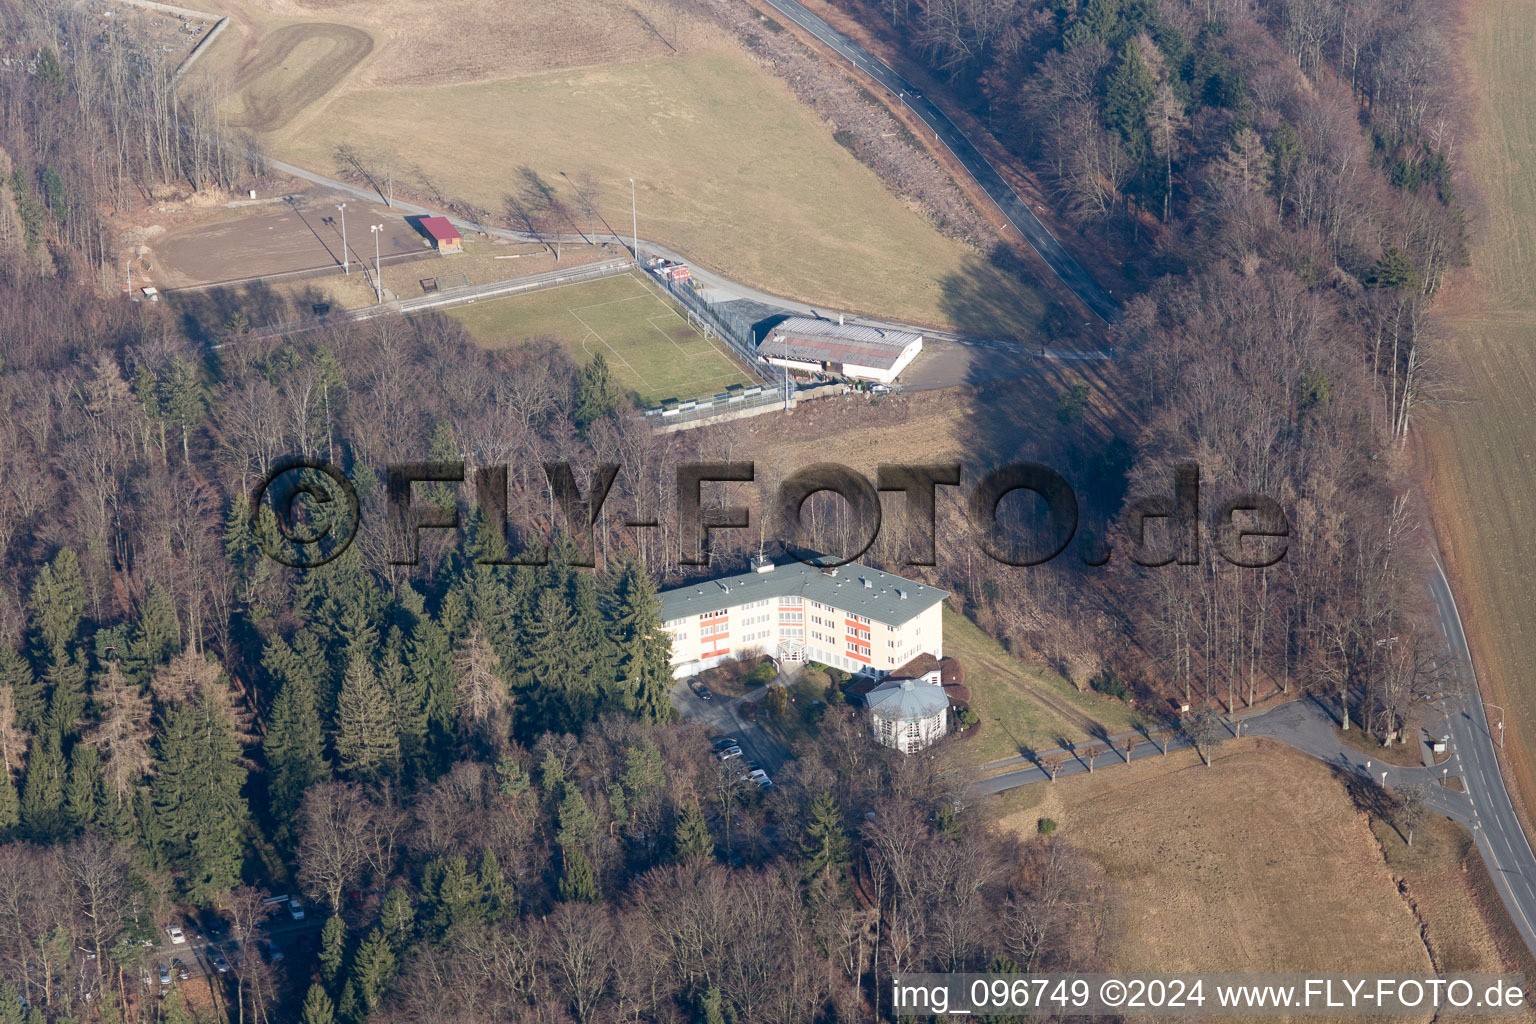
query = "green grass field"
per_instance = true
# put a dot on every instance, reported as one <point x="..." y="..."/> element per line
<point x="730" y="169"/>
<point x="651" y="350"/>
<point x="1021" y="705"/>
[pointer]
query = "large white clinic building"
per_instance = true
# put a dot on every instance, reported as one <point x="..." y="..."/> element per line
<point x="855" y="618"/>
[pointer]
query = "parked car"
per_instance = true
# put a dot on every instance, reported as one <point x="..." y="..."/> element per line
<point x="702" y="691"/>
<point x="296" y="910"/>
<point x="879" y="389"/>
<point x="730" y="752"/>
<point x="761" y="778"/>
<point x="178" y="937"/>
<point x="165" y="975"/>
<point x="219" y="963"/>
<point x="725" y="741"/>
<point x="181" y="970"/>
<point x="274" y="954"/>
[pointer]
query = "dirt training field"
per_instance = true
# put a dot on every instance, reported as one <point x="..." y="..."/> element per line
<point x="280" y="238"/>
<point x="1478" y="454"/>
<point x="650" y="349"/>
<point x="294" y="66"/>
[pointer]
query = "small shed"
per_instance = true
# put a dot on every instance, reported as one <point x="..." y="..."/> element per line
<point x="445" y="237"/>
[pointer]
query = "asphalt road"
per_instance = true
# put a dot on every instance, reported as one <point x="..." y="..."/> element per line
<point x="1308" y="725"/>
<point x="944" y="130"/>
<point x="1500" y="839"/>
<point x="723" y="716"/>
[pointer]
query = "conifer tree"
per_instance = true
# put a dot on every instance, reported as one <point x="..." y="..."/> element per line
<point x="295" y="753"/>
<point x="57" y="603"/>
<point x="367" y="742"/>
<point x="397" y="917"/>
<point x="691" y="838"/>
<point x="429" y="660"/>
<point x="156" y="635"/>
<point x="577" y="822"/>
<point x="65" y="680"/>
<point x="546" y="668"/>
<point x="596" y="396"/>
<point x="42" y="797"/>
<point x="333" y="948"/>
<point x="406" y="700"/>
<point x="644" y="652"/>
<point x="1128" y="93"/>
<point x="26" y="689"/>
<point x="83" y="796"/>
<point x="826" y="846"/>
<point x="318" y="1008"/>
<point x="495" y="890"/>
<point x="201" y="817"/>
<point x="373" y="968"/>
<point x="578" y="883"/>
<point x="454" y="891"/>
<point x="10" y="806"/>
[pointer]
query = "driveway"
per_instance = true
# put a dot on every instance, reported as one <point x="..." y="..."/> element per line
<point x="723" y="716"/>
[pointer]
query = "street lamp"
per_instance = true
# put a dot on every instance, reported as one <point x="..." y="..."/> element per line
<point x="378" y="279"/>
<point x="1501" y="721"/>
<point x="634" y="217"/>
<point x="346" y="259"/>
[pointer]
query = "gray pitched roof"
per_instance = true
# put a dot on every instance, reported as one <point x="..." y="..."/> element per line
<point x="881" y="596"/>
<point x="904" y="699"/>
<point x="818" y="341"/>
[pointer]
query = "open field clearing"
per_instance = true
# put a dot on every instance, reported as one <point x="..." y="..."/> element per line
<point x="1022" y="705"/>
<point x="296" y="65"/>
<point x="1263" y="860"/>
<point x="650" y="349"/>
<point x="1479" y="456"/>
<point x="730" y="170"/>
<point x="437" y="41"/>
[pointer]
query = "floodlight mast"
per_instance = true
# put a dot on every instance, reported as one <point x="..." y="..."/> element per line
<point x="378" y="271"/>
<point x="346" y="257"/>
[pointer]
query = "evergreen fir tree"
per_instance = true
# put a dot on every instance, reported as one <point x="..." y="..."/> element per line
<point x="495" y="890"/>
<point x="397" y="917"/>
<point x="295" y="753"/>
<point x="644" y="652"/>
<point x="318" y="1008"/>
<point x="65" y="680"/>
<point x="42" y="797"/>
<point x="595" y="659"/>
<point x="578" y="884"/>
<point x="10" y="1004"/>
<point x="373" y="968"/>
<point x="826" y="846"/>
<point x="546" y="669"/>
<point x="1128" y="93"/>
<point x="577" y="822"/>
<point x="429" y="661"/>
<point x="367" y="742"/>
<point x="83" y="793"/>
<point x="691" y="837"/>
<point x="333" y="949"/>
<point x="710" y="1009"/>
<point x="407" y="702"/>
<point x="201" y="817"/>
<point x="10" y="808"/>
<point x="156" y="635"/>
<point x="454" y="891"/>
<point x="57" y="603"/>
<point x="596" y="396"/>
<point x="26" y="689"/>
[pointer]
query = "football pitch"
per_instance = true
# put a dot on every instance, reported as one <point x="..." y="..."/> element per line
<point x="651" y="350"/>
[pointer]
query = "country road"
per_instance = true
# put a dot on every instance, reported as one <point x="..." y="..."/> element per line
<point x="1308" y="725"/>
